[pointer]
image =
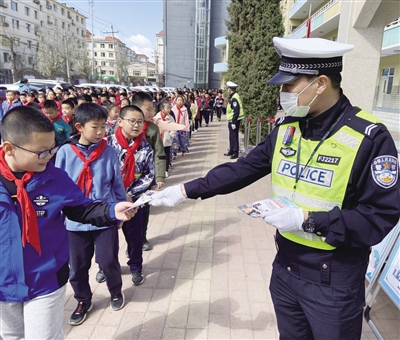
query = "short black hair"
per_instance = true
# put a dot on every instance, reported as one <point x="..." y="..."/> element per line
<point x="81" y="98"/>
<point x="68" y="102"/>
<point x="11" y="91"/>
<point x="105" y="94"/>
<point x="87" y="98"/>
<point x="94" y="95"/>
<point x="21" y="121"/>
<point x="140" y="97"/>
<point x="50" y="104"/>
<point x="110" y="106"/>
<point x="162" y="104"/>
<point x="127" y="108"/>
<point x="89" y="111"/>
<point x="335" y="79"/>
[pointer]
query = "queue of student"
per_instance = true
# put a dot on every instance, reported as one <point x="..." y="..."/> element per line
<point x="110" y="147"/>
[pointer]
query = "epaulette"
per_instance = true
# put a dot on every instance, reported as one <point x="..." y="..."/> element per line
<point x="366" y="127"/>
<point x="286" y="120"/>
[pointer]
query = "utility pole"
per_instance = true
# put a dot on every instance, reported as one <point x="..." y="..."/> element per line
<point x="115" y="50"/>
<point x="92" y="36"/>
<point x="66" y="58"/>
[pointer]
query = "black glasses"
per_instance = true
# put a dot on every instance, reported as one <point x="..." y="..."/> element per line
<point x="43" y="154"/>
<point x="134" y="121"/>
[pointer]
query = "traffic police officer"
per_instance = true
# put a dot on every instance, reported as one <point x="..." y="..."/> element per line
<point x="234" y="114"/>
<point x="339" y="165"/>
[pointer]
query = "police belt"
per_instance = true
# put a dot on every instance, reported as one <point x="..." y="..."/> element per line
<point x="324" y="275"/>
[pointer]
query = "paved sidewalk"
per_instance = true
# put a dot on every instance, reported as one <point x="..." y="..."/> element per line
<point x="208" y="274"/>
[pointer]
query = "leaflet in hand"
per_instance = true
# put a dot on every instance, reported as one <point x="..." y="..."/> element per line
<point x="259" y="208"/>
<point x="144" y="198"/>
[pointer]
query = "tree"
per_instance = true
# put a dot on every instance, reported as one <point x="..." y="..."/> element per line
<point x="11" y="42"/>
<point x="252" y="56"/>
<point x="50" y="56"/>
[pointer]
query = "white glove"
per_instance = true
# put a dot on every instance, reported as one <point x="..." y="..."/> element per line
<point x="233" y="126"/>
<point x="169" y="197"/>
<point x="285" y="219"/>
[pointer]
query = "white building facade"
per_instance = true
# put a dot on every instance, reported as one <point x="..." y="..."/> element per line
<point x="42" y="38"/>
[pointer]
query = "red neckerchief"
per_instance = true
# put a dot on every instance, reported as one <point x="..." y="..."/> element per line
<point x="145" y="126"/>
<point x="30" y="227"/>
<point x="128" y="170"/>
<point x="163" y="116"/>
<point x="55" y="119"/>
<point x="179" y="113"/>
<point x="66" y="119"/>
<point x="111" y="122"/>
<point x="85" y="179"/>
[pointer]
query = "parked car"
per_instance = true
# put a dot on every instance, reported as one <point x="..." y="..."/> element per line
<point x="45" y="83"/>
<point x="15" y="87"/>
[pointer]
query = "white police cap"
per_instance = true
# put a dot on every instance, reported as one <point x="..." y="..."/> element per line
<point x="310" y="56"/>
<point x="231" y="84"/>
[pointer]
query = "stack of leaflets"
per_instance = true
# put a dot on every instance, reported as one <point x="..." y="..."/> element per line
<point x="144" y="198"/>
<point x="260" y="208"/>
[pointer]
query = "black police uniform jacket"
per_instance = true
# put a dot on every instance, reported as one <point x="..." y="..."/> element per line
<point x="368" y="213"/>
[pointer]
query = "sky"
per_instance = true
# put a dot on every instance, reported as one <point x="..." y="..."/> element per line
<point x="136" y="21"/>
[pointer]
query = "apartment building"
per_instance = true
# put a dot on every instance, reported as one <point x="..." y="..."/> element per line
<point x="159" y="58"/>
<point x="374" y="28"/>
<point x="30" y="30"/>
<point x="190" y="28"/>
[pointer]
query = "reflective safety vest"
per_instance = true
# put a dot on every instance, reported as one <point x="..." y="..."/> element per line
<point x="323" y="183"/>
<point x="229" y="110"/>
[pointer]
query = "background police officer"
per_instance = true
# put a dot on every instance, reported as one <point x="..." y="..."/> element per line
<point x="234" y="114"/>
<point x="339" y="165"/>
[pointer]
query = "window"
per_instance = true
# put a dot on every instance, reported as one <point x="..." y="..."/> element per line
<point x="62" y="11"/>
<point x="6" y="56"/>
<point x="112" y="64"/>
<point x="103" y="71"/>
<point x="40" y="8"/>
<point x="69" y="27"/>
<point x="94" y="45"/>
<point x="388" y="72"/>
<point x="63" y="25"/>
<point x="111" y="55"/>
<point x="103" y="63"/>
<point x="30" y="60"/>
<point x="136" y="73"/>
<point x="77" y="19"/>
<point x="15" y="24"/>
<point x="95" y="63"/>
<point x="28" y="28"/>
<point x="29" y="44"/>
<point x="27" y="11"/>
<point x="103" y="55"/>
<point x="2" y="18"/>
<point x="83" y="33"/>
<point x="110" y="46"/>
<point x="48" y="20"/>
<point x="36" y="14"/>
<point x="151" y="73"/>
<point x="95" y="54"/>
<point x="82" y="21"/>
<point x="41" y="23"/>
<point x="55" y="22"/>
<point x="77" y="31"/>
<point x="14" y="6"/>
<point x="102" y="46"/>
<point x="111" y="73"/>
<point x="55" y="8"/>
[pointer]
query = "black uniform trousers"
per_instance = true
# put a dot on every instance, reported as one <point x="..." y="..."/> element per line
<point x="306" y="309"/>
<point x="234" y="138"/>
<point x="133" y="232"/>
<point x="82" y="245"/>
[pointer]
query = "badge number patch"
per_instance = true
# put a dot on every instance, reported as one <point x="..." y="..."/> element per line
<point x="328" y="159"/>
<point x="385" y="171"/>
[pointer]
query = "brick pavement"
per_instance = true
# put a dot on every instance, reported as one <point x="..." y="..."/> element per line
<point x="208" y="274"/>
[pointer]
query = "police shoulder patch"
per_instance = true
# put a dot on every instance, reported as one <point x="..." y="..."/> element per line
<point x="385" y="171"/>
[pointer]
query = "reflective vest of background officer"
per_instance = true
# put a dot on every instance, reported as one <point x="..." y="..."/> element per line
<point x="234" y="114"/>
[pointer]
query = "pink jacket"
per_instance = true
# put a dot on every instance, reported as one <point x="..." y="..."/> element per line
<point x="183" y="119"/>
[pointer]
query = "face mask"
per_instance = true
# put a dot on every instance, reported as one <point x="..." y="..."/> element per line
<point x="289" y="103"/>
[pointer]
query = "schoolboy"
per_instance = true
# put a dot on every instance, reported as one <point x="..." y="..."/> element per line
<point x="61" y="128"/>
<point x="152" y="133"/>
<point x="136" y="161"/>
<point x="10" y="102"/>
<point x="68" y="112"/>
<point x="93" y="166"/>
<point x="34" y="194"/>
